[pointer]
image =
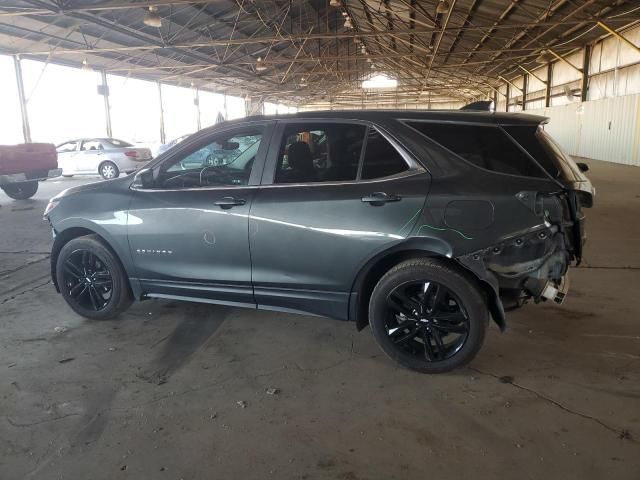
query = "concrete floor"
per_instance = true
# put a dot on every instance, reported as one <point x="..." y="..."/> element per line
<point x="178" y="391"/>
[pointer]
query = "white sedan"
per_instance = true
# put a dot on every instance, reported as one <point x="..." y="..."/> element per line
<point x="107" y="157"/>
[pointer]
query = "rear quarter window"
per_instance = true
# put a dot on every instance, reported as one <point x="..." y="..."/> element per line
<point x="487" y="147"/>
<point x="381" y="159"/>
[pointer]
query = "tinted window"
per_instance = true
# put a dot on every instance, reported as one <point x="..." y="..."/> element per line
<point x="226" y="160"/>
<point x="526" y="136"/>
<point x="381" y="159"/>
<point x="487" y="147"/>
<point x="319" y="153"/>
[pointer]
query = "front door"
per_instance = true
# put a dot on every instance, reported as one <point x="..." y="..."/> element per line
<point x="334" y="195"/>
<point x="189" y="233"/>
<point x="89" y="157"/>
<point x="66" y="156"/>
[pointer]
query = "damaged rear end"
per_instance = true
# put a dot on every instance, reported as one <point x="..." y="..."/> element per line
<point x="533" y="263"/>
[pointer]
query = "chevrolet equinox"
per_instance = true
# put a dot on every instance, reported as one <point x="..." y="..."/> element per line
<point x="423" y="225"/>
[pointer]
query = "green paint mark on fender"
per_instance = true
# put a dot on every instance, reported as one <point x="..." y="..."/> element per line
<point x="443" y="230"/>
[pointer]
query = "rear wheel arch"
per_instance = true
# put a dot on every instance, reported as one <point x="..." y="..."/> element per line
<point x="374" y="270"/>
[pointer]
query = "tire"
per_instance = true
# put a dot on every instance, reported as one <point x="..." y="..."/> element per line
<point x="109" y="170"/>
<point x="97" y="289"/>
<point x="421" y="301"/>
<point x="21" y="191"/>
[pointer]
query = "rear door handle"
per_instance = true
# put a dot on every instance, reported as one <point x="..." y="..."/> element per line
<point x="380" y="198"/>
<point x="228" y="202"/>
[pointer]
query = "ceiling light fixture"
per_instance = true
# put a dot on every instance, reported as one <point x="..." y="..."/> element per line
<point x="151" y="18"/>
<point x="85" y="66"/>
<point x="335" y="3"/>
<point x="260" y="66"/>
<point x="303" y="82"/>
<point x="348" y="23"/>
<point x="442" y="7"/>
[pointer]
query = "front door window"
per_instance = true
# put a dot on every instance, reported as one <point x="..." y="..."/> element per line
<point x="225" y="161"/>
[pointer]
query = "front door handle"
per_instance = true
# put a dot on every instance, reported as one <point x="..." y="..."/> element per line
<point x="228" y="202"/>
<point x="380" y="198"/>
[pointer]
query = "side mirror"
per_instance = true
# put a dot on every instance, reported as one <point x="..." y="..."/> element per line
<point x="143" y="179"/>
<point x="583" y="167"/>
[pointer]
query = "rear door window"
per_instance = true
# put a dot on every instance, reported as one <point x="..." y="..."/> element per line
<point x="92" y="145"/>
<point x="487" y="147"/>
<point x="322" y="152"/>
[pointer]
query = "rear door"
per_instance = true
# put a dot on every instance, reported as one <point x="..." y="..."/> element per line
<point x="89" y="157"/>
<point x="333" y="195"/>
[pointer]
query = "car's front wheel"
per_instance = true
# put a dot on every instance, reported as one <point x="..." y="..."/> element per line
<point x="92" y="279"/>
<point x="109" y="170"/>
<point x="21" y="191"/>
<point x="427" y="316"/>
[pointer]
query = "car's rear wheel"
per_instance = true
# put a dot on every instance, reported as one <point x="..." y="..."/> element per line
<point x="21" y="191"/>
<point x="92" y="279"/>
<point x="109" y="170"/>
<point x="427" y="316"/>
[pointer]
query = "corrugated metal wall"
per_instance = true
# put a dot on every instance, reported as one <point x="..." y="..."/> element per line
<point x="606" y="129"/>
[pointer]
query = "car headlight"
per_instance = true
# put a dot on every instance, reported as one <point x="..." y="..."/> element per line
<point x="50" y="206"/>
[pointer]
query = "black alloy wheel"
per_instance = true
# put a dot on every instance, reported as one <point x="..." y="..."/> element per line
<point x="428" y="315"/>
<point x="87" y="280"/>
<point x="426" y="320"/>
<point x="91" y="278"/>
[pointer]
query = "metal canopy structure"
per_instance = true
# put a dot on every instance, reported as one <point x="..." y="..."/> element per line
<point x="302" y="51"/>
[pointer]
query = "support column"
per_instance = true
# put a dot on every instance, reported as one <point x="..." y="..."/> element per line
<point x="162" y="135"/>
<point x="525" y="87"/>
<point x="196" y="100"/>
<point x="584" y="90"/>
<point x="547" y="90"/>
<point x="107" y="106"/>
<point x="26" y="131"/>
<point x="506" y="103"/>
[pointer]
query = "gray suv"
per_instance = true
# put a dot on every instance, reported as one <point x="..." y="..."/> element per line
<point x="423" y="225"/>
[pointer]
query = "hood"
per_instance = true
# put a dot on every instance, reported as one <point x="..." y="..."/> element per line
<point x="121" y="182"/>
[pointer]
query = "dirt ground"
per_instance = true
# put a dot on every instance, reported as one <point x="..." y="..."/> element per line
<point x="184" y="391"/>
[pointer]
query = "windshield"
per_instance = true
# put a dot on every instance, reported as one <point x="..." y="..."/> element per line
<point x="569" y="169"/>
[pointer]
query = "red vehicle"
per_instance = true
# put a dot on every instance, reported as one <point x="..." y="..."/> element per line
<point x="23" y="166"/>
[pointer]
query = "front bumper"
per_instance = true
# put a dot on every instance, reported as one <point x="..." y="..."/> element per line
<point x="30" y="176"/>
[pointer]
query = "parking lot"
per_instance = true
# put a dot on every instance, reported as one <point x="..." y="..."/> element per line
<point x="178" y="390"/>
